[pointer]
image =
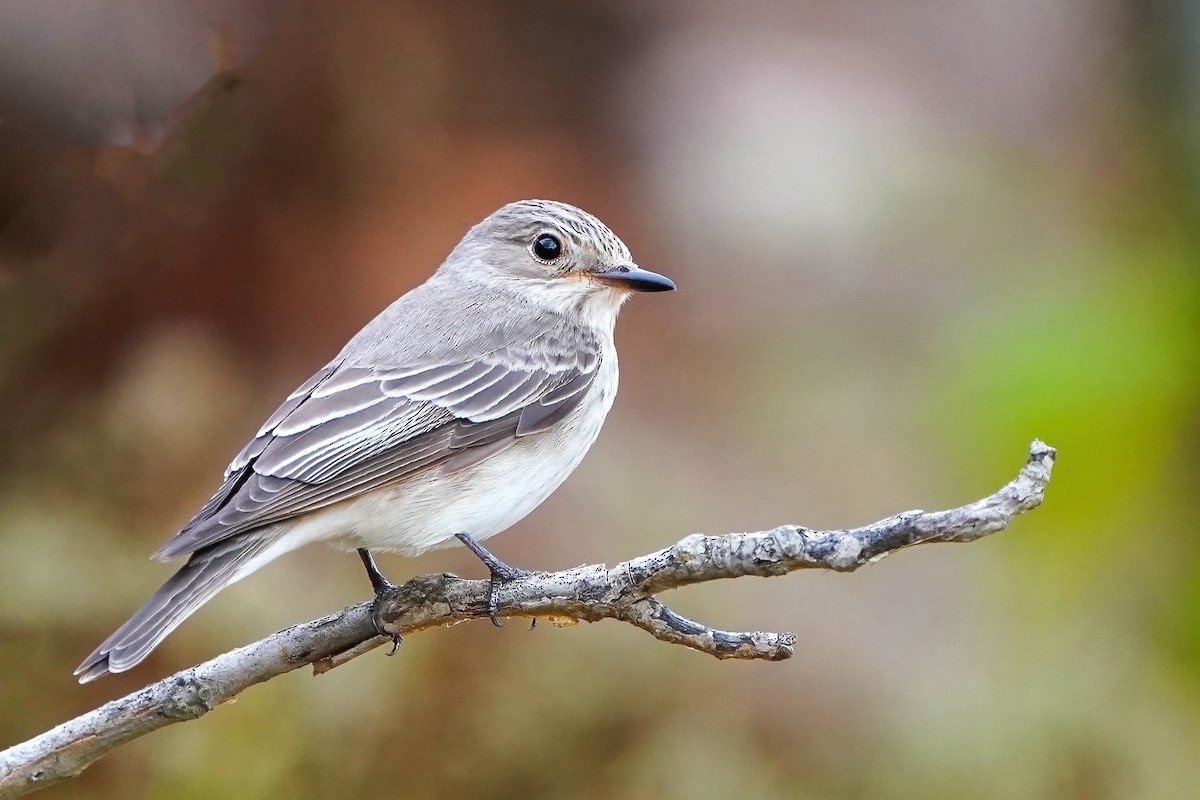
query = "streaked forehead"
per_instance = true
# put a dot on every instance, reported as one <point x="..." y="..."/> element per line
<point x="523" y="220"/>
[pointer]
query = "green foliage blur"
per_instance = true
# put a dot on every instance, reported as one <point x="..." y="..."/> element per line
<point x="909" y="238"/>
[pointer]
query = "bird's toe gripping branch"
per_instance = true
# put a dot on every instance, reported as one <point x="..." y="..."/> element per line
<point x="500" y="573"/>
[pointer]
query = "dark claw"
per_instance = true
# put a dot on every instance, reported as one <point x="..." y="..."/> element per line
<point x="396" y="642"/>
<point x="501" y="574"/>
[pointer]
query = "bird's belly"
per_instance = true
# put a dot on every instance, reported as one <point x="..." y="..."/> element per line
<point x="426" y="511"/>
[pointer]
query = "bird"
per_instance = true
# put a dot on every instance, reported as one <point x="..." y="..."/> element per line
<point x="448" y="418"/>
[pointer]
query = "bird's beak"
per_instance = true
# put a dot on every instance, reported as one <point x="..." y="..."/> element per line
<point x="633" y="278"/>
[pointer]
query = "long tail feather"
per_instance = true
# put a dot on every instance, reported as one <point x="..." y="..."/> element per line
<point x="208" y="571"/>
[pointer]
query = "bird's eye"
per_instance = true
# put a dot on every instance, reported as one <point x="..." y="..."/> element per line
<point x="547" y="247"/>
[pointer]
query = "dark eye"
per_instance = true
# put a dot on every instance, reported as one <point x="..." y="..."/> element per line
<point x="547" y="247"/>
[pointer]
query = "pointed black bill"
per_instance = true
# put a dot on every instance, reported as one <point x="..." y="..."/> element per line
<point x="635" y="279"/>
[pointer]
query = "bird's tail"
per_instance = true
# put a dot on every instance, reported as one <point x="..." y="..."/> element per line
<point x="208" y="571"/>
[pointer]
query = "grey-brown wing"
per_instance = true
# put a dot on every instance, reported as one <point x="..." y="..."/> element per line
<point x="350" y="430"/>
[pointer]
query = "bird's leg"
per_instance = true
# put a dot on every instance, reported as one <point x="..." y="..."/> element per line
<point x="501" y="573"/>
<point x="381" y="585"/>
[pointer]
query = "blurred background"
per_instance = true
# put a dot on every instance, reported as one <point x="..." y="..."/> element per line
<point x="909" y="238"/>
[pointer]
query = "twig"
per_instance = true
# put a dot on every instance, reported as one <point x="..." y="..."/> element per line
<point x="625" y="592"/>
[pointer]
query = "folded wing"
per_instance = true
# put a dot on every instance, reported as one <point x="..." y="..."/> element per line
<point x="352" y="429"/>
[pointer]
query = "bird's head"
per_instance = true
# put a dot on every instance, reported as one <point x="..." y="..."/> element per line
<point x="557" y="256"/>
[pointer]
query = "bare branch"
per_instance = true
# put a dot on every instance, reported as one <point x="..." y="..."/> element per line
<point x="625" y="592"/>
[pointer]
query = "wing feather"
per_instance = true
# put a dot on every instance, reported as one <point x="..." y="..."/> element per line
<point x="329" y="409"/>
<point x="352" y="429"/>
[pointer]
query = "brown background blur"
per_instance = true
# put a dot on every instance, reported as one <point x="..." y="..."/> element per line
<point x="909" y="237"/>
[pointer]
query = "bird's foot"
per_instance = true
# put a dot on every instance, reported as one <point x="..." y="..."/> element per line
<point x="501" y="573"/>
<point x="382" y="586"/>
